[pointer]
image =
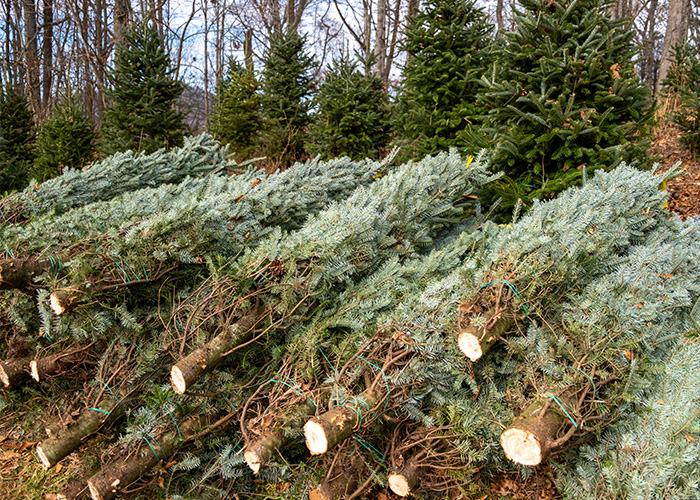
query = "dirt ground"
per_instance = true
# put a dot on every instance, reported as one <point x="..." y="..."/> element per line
<point x="684" y="191"/>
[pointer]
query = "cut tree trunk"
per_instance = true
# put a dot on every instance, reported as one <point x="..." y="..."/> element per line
<point x="204" y="359"/>
<point x="405" y="480"/>
<point x="119" y="474"/>
<point x="19" y="274"/>
<point x="340" y="487"/>
<point x="14" y="371"/>
<point x="62" y="442"/>
<point x="532" y="434"/>
<point x="74" y="491"/>
<point x="325" y="431"/>
<point x="474" y="341"/>
<point x="56" y="364"/>
<point x="262" y="449"/>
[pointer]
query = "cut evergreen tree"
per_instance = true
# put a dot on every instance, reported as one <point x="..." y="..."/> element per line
<point x="65" y="140"/>
<point x="111" y="177"/>
<point x="141" y="114"/>
<point x="16" y="139"/>
<point x="352" y="116"/>
<point x="563" y="96"/>
<point x="236" y="119"/>
<point x="287" y="91"/>
<point x="449" y="45"/>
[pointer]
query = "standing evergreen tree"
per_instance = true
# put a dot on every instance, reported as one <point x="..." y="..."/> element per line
<point x="353" y="112"/>
<point x="66" y="139"/>
<point x="141" y="115"/>
<point x="236" y="119"/>
<point x="17" y="139"/>
<point x="448" y="43"/>
<point x="564" y="95"/>
<point x="287" y="88"/>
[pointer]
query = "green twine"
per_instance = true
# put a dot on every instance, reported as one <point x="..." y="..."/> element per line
<point x="328" y="360"/>
<point x="388" y="391"/>
<point x="109" y="389"/>
<point x="173" y="419"/>
<point x="165" y="457"/>
<point x="56" y="265"/>
<point x="299" y="391"/>
<point x="512" y="288"/>
<point x="10" y="252"/>
<point x="595" y="389"/>
<point x="369" y="447"/>
<point x="3" y="215"/>
<point x="101" y="411"/>
<point x="357" y="412"/>
<point x="556" y="400"/>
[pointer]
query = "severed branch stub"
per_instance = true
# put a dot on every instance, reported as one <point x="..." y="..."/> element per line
<point x="262" y="449"/>
<point x="325" y="431"/>
<point x="204" y="359"/>
<point x="14" y="371"/>
<point x="474" y="341"/>
<point x="403" y="481"/>
<point x="533" y="434"/>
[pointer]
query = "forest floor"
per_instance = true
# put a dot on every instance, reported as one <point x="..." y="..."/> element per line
<point x="684" y="191"/>
<point x="21" y="476"/>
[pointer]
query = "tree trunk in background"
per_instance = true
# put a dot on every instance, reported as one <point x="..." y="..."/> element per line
<point x="47" y="54"/>
<point x="248" y="50"/>
<point x="620" y="9"/>
<point x="499" y="14"/>
<point x="676" y="34"/>
<point x="122" y="17"/>
<point x="380" y="42"/>
<point x="31" y="55"/>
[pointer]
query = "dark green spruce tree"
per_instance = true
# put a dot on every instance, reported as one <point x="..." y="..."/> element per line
<point x="352" y="113"/>
<point x="563" y="95"/>
<point x="448" y="43"/>
<point x="287" y="92"/>
<point x="16" y="139"/>
<point x="141" y="114"/>
<point x="65" y="139"/>
<point x="681" y="85"/>
<point x="236" y="119"/>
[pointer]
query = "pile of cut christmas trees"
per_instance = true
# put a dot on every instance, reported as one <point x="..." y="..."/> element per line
<point x="346" y="328"/>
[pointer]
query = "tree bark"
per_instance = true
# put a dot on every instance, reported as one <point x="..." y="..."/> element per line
<point x="19" y="274"/>
<point x="31" y="54"/>
<point x="119" y="474"/>
<point x="325" y="431"/>
<point x="532" y="435"/>
<point x="474" y="341"/>
<point x="338" y="488"/>
<point x="63" y="442"/>
<point x="403" y="481"/>
<point x="74" y="490"/>
<point x="122" y="17"/>
<point x="14" y="372"/>
<point x="262" y="449"/>
<point x="55" y="364"/>
<point x="380" y="41"/>
<point x="47" y="54"/>
<point x="676" y="34"/>
<point x="204" y="359"/>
